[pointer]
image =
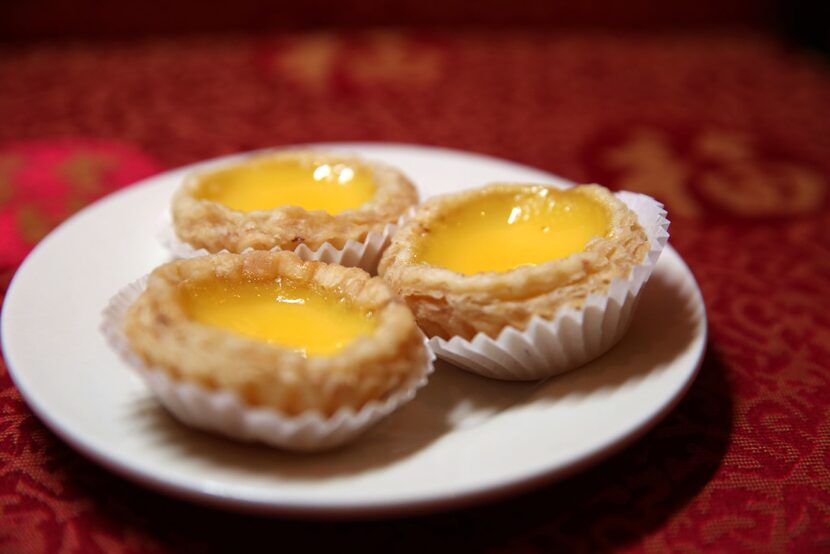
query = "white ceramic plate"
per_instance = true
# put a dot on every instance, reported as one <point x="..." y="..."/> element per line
<point x="463" y="439"/>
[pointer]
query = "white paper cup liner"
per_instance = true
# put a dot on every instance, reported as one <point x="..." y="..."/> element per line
<point x="574" y="336"/>
<point x="364" y="254"/>
<point x="224" y="413"/>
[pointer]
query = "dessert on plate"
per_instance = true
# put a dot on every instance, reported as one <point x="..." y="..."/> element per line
<point x="266" y="346"/>
<point x="522" y="281"/>
<point x="332" y="207"/>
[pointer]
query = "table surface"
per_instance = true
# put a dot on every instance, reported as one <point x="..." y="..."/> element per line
<point x="730" y="130"/>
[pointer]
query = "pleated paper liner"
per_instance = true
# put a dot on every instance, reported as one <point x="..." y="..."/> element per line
<point x="574" y="336"/>
<point x="364" y="254"/>
<point x="224" y="413"/>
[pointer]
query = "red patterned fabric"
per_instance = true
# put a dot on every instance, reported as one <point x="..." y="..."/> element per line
<point x="37" y="19"/>
<point x="731" y="131"/>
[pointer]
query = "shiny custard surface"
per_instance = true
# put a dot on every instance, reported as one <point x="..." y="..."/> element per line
<point x="270" y="183"/>
<point x="505" y="229"/>
<point x="280" y="312"/>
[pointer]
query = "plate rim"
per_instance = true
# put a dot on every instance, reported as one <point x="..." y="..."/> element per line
<point x="340" y="509"/>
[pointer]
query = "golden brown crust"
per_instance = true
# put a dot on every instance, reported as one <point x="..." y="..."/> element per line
<point x="207" y="224"/>
<point x="261" y="374"/>
<point x="447" y="303"/>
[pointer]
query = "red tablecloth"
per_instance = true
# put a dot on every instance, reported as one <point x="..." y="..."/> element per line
<point x="731" y="131"/>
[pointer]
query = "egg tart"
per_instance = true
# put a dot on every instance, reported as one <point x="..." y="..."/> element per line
<point x="278" y="334"/>
<point x="482" y="266"/>
<point x="292" y="200"/>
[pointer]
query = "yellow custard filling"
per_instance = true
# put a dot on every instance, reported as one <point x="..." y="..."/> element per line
<point x="502" y="230"/>
<point x="280" y="312"/>
<point x="265" y="184"/>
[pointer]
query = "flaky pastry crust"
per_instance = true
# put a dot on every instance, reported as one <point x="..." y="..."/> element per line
<point x="448" y="304"/>
<point x="261" y="374"/>
<point x="215" y="227"/>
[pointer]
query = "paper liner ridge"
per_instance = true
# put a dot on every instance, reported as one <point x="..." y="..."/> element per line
<point x="364" y="254"/>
